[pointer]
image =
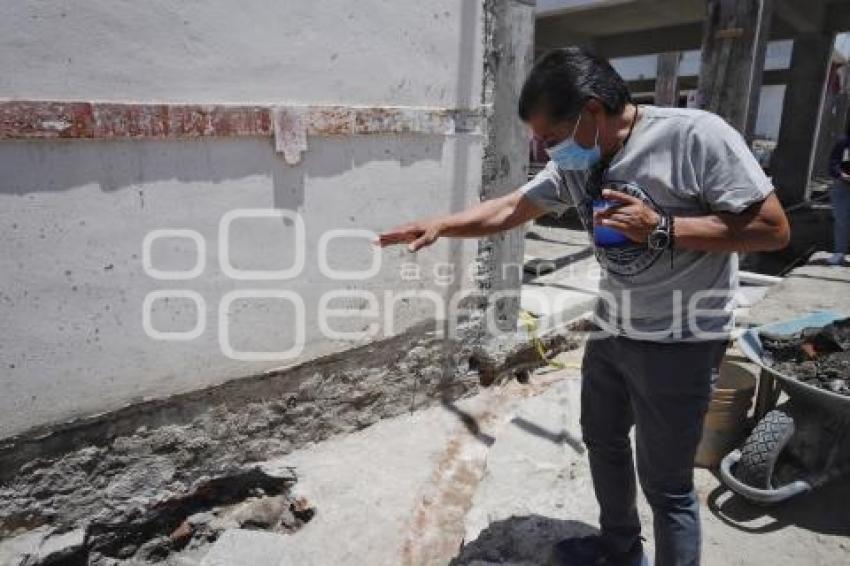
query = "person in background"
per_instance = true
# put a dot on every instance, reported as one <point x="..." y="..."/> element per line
<point x="839" y="194"/>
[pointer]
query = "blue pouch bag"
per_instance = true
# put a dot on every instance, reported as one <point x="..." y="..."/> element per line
<point x="605" y="236"/>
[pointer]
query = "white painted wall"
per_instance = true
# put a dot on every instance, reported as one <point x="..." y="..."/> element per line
<point x="331" y="51"/>
<point x="73" y="214"/>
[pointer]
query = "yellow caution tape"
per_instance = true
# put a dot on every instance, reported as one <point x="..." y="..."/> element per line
<point x="529" y="321"/>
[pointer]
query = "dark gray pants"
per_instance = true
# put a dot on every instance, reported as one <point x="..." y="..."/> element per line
<point x="663" y="390"/>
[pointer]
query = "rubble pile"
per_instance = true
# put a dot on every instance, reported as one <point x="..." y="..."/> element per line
<point x="150" y="531"/>
<point x="816" y="356"/>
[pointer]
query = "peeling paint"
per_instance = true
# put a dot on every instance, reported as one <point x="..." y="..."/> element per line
<point x="290" y="134"/>
<point x="26" y="119"/>
<point x="290" y="125"/>
<point x="21" y="119"/>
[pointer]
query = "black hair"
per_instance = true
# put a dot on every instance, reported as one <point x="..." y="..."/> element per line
<point x="562" y="80"/>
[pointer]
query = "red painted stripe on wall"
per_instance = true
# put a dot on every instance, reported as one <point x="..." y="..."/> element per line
<point x="34" y="119"/>
<point x="28" y="119"/>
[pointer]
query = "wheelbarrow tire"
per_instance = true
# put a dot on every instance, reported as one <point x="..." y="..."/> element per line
<point x="762" y="448"/>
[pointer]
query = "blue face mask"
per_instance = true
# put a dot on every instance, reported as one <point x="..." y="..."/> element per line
<point x="569" y="155"/>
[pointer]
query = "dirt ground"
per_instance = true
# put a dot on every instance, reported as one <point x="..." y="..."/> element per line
<point x="499" y="478"/>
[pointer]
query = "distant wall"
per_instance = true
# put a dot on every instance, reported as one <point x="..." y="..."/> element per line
<point x="74" y="213"/>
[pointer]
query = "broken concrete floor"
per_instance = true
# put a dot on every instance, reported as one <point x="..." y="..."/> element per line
<point x="496" y="479"/>
<point x="145" y="496"/>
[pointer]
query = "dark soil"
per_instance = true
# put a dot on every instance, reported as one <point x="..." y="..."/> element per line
<point x="816" y="356"/>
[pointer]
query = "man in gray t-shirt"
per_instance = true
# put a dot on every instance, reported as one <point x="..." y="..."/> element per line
<point x="669" y="196"/>
<point x="686" y="163"/>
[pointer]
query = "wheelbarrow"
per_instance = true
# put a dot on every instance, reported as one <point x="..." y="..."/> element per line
<point x="798" y="446"/>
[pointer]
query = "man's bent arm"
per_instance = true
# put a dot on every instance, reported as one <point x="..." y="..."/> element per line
<point x="761" y="227"/>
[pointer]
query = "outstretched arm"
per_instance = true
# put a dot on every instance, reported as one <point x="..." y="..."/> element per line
<point x="488" y="217"/>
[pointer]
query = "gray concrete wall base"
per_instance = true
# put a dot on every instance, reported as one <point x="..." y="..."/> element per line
<point x="67" y="474"/>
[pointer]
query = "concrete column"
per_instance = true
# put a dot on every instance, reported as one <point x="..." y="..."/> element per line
<point x="667" y="79"/>
<point x="793" y="159"/>
<point x="734" y="41"/>
<point x="507" y="61"/>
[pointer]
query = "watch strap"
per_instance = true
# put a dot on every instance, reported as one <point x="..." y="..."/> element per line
<point x="665" y="225"/>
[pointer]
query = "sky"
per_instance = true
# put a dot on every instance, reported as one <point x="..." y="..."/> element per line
<point x="842" y="44"/>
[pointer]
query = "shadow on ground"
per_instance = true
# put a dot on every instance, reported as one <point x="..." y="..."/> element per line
<point x="525" y="541"/>
<point x="824" y="511"/>
<point x="562" y="437"/>
<point x="468" y="420"/>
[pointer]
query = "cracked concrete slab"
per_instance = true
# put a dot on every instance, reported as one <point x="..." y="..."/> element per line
<point x="397" y="492"/>
<point x="499" y="477"/>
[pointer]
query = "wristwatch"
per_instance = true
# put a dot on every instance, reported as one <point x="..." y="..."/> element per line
<point x="661" y="238"/>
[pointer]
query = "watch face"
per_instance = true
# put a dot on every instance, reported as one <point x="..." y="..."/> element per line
<point x="658" y="240"/>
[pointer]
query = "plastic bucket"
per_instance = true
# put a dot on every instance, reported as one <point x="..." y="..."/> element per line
<point x="736" y="379"/>
<point x="731" y="409"/>
<point x="727" y="412"/>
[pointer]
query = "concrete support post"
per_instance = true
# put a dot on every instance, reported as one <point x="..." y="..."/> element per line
<point x="733" y="46"/>
<point x="667" y="79"/>
<point x="508" y="58"/>
<point x="802" y="109"/>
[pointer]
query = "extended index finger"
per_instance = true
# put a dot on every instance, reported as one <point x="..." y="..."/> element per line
<point x="395" y="238"/>
<point x="402" y="233"/>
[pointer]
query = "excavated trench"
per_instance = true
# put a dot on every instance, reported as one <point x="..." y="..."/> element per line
<point x="155" y="478"/>
<point x="250" y="499"/>
<point x="166" y="477"/>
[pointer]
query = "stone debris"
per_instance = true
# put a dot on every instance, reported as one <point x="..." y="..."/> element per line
<point x="248" y="499"/>
<point x="514" y="355"/>
<point x="816" y="356"/>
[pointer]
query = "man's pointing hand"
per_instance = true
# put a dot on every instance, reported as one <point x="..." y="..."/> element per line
<point x="416" y="235"/>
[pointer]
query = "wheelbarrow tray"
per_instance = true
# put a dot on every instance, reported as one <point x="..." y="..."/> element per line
<point x="750" y="344"/>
